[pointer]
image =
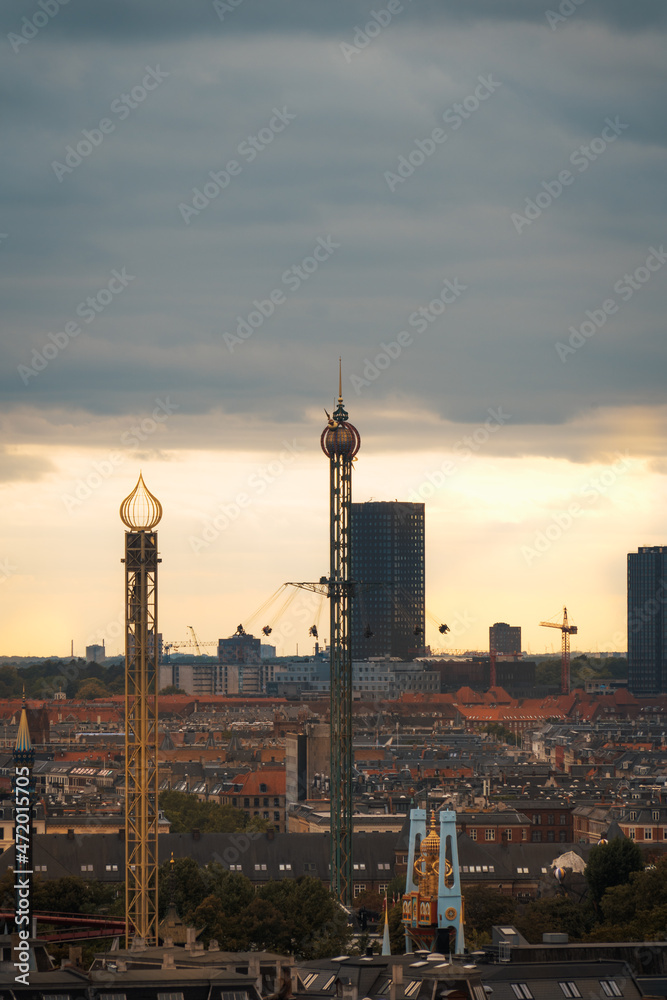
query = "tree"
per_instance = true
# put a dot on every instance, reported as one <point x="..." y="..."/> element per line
<point x="611" y="864"/>
<point x="10" y="682"/>
<point x="182" y="883"/>
<point x="66" y="895"/>
<point x="502" y="733"/>
<point x="233" y="889"/>
<point x="636" y="910"/>
<point x="547" y="673"/>
<point x="316" y="924"/>
<point x="186" y="812"/>
<point x="172" y="689"/>
<point x="91" y="688"/>
<point x="486" y="907"/>
<point x="555" y="913"/>
<point x="396" y="929"/>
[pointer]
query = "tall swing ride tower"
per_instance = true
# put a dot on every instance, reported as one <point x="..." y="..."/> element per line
<point x="140" y="512"/>
<point x="340" y="443"/>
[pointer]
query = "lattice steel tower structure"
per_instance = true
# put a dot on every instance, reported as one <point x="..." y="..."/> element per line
<point x="340" y="443"/>
<point x="140" y="513"/>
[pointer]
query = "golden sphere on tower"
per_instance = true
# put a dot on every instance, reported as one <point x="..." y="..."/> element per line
<point x="140" y="511"/>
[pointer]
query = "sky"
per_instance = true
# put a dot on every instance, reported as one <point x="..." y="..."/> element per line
<point x="206" y="204"/>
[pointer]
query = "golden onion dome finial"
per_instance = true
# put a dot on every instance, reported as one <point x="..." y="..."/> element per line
<point x="431" y="843"/>
<point x="140" y="511"/>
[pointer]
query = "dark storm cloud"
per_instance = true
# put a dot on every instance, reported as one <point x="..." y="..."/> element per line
<point x="125" y="21"/>
<point x="323" y="176"/>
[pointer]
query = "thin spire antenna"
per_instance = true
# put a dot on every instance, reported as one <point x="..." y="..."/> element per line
<point x="340" y="380"/>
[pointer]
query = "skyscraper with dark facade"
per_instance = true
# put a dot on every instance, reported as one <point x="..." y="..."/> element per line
<point x="505" y="639"/>
<point x="647" y="620"/>
<point x="387" y="544"/>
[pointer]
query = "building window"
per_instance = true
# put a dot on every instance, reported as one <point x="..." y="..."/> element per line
<point x="359" y="887"/>
<point x="508" y="834"/>
<point x="276" y="816"/>
<point x="570" y="989"/>
<point x="536" y="819"/>
<point x="170" y="996"/>
<point x="550" y="836"/>
<point x="256" y="801"/>
<point x="473" y="834"/>
<point x="412" y="987"/>
<point x="655" y="815"/>
<point x="562" y="836"/>
<point x="246" y="803"/>
<point x="563" y="819"/>
<point x="536" y="837"/>
<point x="550" y="819"/>
<point x="611" y="988"/>
<point x="489" y="835"/>
<point x="276" y="801"/>
<point x="521" y="991"/>
<point x="631" y="832"/>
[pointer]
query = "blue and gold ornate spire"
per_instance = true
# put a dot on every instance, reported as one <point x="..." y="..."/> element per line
<point x="23" y="750"/>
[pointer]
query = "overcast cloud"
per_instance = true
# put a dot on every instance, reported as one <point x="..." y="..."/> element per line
<point x="336" y="128"/>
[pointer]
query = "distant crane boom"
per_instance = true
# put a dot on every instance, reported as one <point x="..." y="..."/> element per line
<point x="566" y="631"/>
<point x="195" y="640"/>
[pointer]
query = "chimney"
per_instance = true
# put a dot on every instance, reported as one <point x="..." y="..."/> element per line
<point x="396" y="981"/>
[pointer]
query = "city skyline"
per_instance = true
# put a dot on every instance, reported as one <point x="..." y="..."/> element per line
<point x="204" y="208"/>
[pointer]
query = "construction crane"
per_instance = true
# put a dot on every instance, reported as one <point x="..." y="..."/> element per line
<point x="195" y="640"/>
<point x="566" y="631"/>
<point x="194" y="643"/>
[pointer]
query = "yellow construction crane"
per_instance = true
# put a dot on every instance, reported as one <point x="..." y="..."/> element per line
<point x="195" y="640"/>
<point x="566" y="631"/>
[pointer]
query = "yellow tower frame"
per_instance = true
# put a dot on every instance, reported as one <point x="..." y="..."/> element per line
<point x="140" y="512"/>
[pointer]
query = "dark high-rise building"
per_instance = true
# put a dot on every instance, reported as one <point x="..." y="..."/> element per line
<point x="504" y="638"/>
<point x="647" y="620"/>
<point x="387" y="545"/>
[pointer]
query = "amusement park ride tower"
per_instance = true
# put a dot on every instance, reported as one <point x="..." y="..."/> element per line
<point x="340" y="443"/>
<point x="432" y="911"/>
<point x="140" y="512"/>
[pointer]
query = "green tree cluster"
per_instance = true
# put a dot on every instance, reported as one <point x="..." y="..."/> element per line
<point x="74" y="677"/>
<point x="291" y="916"/>
<point x="502" y="733"/>
<point x="635" y="910"/>
<point x="610" y="865"/>
<point x="187" y="812"/>
<point x="582" y="669"/>
<point x="67" y="895"/>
